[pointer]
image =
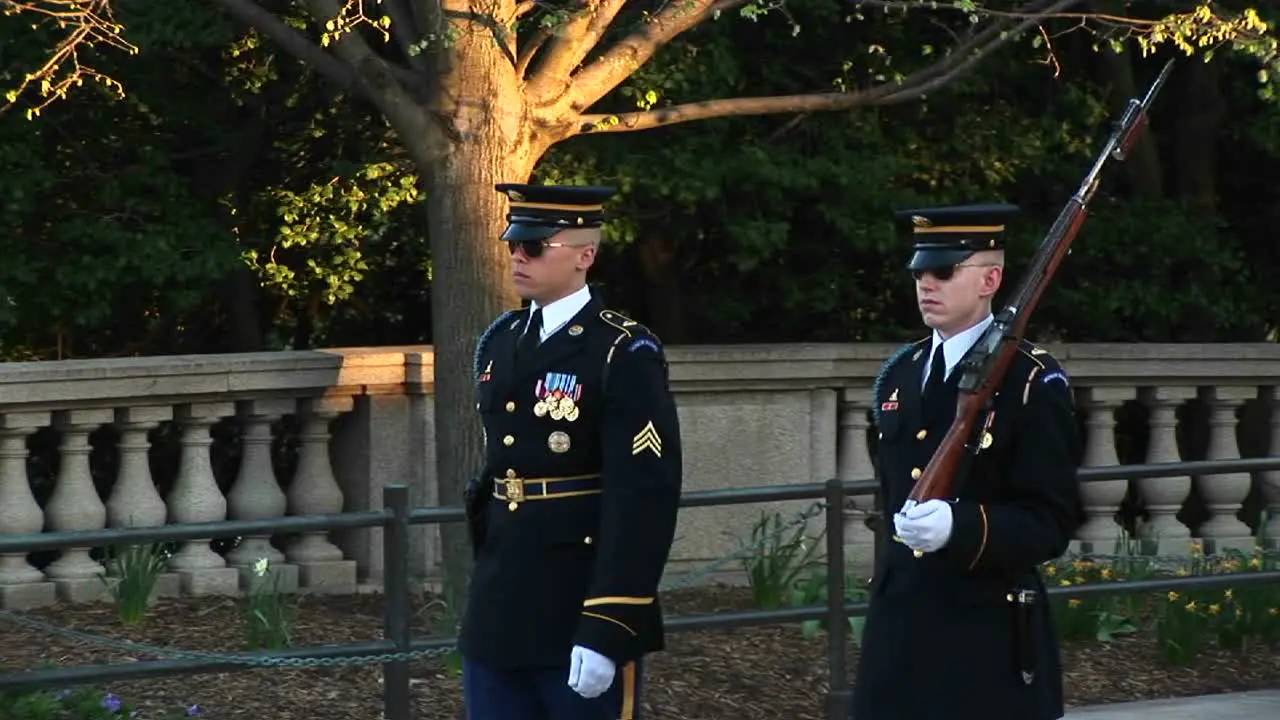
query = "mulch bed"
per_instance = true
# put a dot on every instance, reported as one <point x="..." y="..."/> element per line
<point x="759" y="673"/>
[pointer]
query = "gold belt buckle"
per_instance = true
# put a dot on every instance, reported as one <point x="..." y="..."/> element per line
<point x="514" y="492"/>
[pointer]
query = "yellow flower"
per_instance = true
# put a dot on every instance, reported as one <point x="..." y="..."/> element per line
<point x="1256" y="563"/>
<point x="1214" y="609"/>
<point x="1197" y="548"/>
<point x="1106" y="573"/>
<point x="1231" y="565"/>
<point x="1181" y="572"/>
<point x="1173" y="595"/>
<point x="1191" y="606"/>
<point x="1073" y="602"/>
<point x="1064" y="582"/>
<point x="1051" y="571"/>
<point x="1227" y="594"/>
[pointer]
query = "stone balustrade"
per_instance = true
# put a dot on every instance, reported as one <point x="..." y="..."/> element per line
<point x="147" y="441"/>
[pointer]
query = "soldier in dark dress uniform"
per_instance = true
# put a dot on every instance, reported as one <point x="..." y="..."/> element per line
<point x="574" y="514"/>
<point x="963" y="631"/>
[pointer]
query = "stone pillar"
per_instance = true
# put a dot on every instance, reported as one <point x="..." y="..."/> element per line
<point x="75" y="505"/>
<point x="853" y="462"/>
<point x="1269" y="481"/>
<point x="1101" y="498"/>
<point x="257" y="495"/>
<point x="314" y="491"/>
<point x="134" y="500"/>
<point x="1164" y="496"/>
<point x="1225" y="493"/>
<point x="21" y="585"/>
<point x="195" y="498"/>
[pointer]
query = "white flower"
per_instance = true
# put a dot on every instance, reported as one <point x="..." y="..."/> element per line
<point x="260" y="567"/>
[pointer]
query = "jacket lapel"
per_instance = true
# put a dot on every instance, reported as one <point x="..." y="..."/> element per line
<point x="503" y="352"/>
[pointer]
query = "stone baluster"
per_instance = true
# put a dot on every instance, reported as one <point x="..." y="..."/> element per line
<point x="1101" y="498"/>
<point x="75" y="505"/>
<point x="134" y="500"/>
<point x="195" y="497"/>
<point x="1269" y="481"/>
<point x="257" y="495"/>
<point x="1163" y="496"/>
<point x="314" y="491"/>
<point x="21" y="585"/>
<point x="1224" y="493"/>
<point x="853" y="462"/>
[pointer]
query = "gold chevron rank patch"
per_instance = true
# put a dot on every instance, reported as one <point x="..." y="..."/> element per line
<point x="647" y="439"/>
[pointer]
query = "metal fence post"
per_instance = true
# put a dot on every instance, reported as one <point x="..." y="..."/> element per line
<point x="838" y="693"/>
<point x="395" y="586"/>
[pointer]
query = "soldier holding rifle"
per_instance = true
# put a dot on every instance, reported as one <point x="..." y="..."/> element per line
<point x="958" y="626"/>
<point x="979" y="449"/>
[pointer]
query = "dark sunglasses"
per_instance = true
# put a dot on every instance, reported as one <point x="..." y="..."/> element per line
<point x="946" y="272"/>
<point x="532" y="248"/>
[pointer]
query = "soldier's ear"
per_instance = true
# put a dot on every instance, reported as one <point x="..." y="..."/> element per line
<point x="586" y="257"/>
<point x="991" y="280"/>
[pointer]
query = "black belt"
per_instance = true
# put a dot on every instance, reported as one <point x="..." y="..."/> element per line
<point x="1023" y="602"/>
<point x="515" y="490"/>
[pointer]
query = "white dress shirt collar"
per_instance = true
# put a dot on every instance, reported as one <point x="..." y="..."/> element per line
<point x="955" y="347"/>
<point x="556" y="314"/>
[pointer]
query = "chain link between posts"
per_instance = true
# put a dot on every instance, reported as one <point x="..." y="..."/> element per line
<point x="684" y="580"/>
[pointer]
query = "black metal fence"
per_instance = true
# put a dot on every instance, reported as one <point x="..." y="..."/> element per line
<point x="398" y="648"/>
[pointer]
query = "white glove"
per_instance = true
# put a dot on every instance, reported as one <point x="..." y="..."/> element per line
<point x="925" y="527"/>
<point x="590" y="673"/>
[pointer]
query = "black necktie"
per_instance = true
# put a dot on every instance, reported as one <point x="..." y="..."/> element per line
<point x="937" y="373"/>
<point x="532" y="335"/>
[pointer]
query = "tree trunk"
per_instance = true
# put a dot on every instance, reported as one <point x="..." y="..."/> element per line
<point x="477" y="134"/>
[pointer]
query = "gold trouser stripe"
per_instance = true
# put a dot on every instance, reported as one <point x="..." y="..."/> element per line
<point x="556" y="206"/>
<point x="937" y="229"/>
<point x="983" y="547"/>
<point x="617" y="600"/>
<point x="628" y="692"/>
<point x="606" y="618"/>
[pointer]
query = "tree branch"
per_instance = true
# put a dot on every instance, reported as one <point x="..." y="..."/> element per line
<point x="252" y="14"/>
<point x="615" y="65"/>
<point x="960" y="60"/>
<point x="379" y="79"/>
<point x="530" y="49"/>
<point x="570" y="46"/>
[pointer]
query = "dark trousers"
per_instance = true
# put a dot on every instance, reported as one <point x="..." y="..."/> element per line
<point x="544" y="694"/>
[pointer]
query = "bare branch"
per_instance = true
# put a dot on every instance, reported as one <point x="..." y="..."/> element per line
<point x="959" y="60"/>
<point x="615" y="65"/>
<point x="572" y="42"/>
<point x="87" y="22"/>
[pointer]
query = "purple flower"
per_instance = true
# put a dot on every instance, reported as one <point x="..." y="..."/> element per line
<point x="111" y="702"/>
<point x="195" y="711"/>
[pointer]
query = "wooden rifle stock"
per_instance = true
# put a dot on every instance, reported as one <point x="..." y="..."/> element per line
<point x="983" y="368"/>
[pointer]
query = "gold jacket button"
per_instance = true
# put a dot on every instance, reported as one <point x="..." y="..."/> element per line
<point x="508" y="441"/>
<point x="511" y="406"/>
<point x="922" y="434"/>
<point x="916" y="473"/>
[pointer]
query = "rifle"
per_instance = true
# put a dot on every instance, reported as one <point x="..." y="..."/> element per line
<point x="984" y="366"/>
